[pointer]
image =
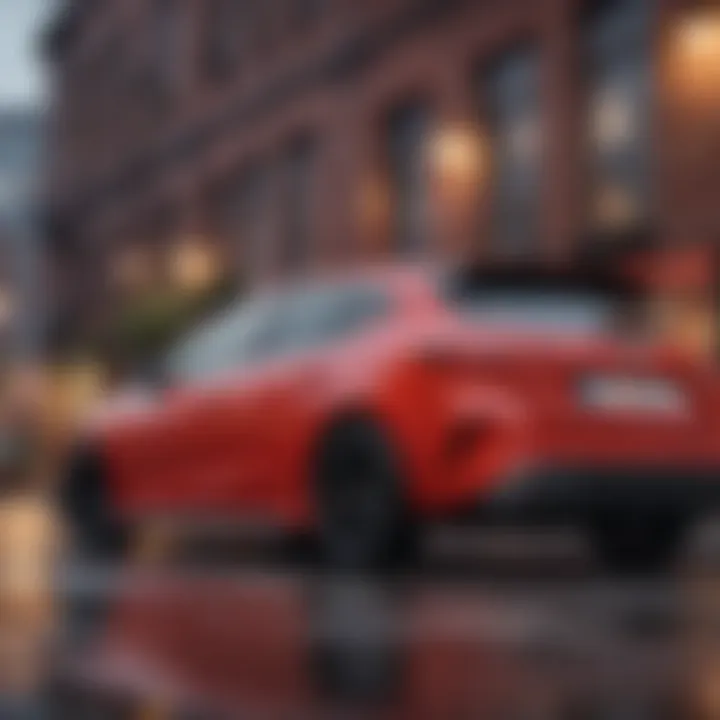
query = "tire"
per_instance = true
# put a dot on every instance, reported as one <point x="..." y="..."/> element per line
<point x="631" y="544"/>
<point x="97" y="535"/>
<point x="364" y="522"/>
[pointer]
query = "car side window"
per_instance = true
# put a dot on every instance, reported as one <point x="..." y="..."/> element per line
<point x="259" y="330"/>
<point x="197" y="356"/>
<point x="316" y="317"/>
<point x="241" y="335"/>
<point x="265" y="339"/>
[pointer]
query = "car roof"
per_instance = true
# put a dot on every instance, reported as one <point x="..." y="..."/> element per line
<point x="543" y="278"/>
<point x="422" y="276"/>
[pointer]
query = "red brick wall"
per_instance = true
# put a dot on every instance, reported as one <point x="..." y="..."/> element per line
<point x="431" y="59"/>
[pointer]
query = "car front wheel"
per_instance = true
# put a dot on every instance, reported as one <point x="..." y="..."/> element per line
<point x="364" y="521"/>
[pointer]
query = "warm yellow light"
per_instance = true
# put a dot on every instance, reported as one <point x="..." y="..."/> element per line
<point x="699" y="35"/>
<point x="686" y="324"/>
<point x="85" y="382"/>
<point x="457" y="156"/>
<point x="696" y="56"/>
<point x="456" y="153"/>
<point x="193" y="265"/>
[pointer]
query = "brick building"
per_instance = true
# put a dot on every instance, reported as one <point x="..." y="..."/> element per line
<point x="259" y="137"/>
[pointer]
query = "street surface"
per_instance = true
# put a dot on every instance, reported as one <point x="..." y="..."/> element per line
<point x="516" y="627"/>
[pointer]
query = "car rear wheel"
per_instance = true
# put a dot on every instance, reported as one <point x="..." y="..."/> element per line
<point x="635" y="543"/>
<point x="364" y="521"/>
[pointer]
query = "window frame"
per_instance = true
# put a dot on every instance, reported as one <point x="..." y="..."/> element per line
<point x="495" y="126"/>
<point x="299" y="170"/>
<point x="407" y="197"/>
<point x="220" y="62"/>
<point x="601" y="169"/>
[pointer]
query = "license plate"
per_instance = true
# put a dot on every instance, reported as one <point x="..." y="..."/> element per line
<point x="633" y="395"/>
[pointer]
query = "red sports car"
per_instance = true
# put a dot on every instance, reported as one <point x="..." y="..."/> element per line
<point x="360" y="408"/>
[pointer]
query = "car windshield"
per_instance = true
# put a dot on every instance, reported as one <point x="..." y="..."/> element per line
<point x="556" y="312"/>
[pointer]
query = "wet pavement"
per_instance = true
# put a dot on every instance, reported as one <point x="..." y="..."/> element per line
<point x="516" y="634"/>
<point x="280" y="646"/>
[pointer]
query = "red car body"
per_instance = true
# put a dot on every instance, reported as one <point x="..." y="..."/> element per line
<point x="470" y="408"/>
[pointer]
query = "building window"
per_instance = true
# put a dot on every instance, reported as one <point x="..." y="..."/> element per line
<point x="511" y="114"/>
<point x="298" y="188"/>
<point x="618" y="71"/>
<point x="223" y="37"/>
<point x="408" y="174"/>
<point x="264" y="19"/>
<point x="239" y="217"/>
<point x="305" y="13"/>
<point x="110" y="83"/>
<point x="167" y="38"/>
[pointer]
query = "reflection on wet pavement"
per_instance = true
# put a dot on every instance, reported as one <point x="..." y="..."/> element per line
<point x="253" y="645"/>
<point x="184" y="643"/>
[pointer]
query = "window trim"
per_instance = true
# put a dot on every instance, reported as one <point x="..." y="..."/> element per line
<point x="522" y="45"/>
<point x="411" y="102"/>
<point x="593" y="176"/>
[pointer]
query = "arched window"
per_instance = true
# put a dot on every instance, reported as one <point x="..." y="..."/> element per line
<point x="618" y="73"/>
<point x="407" y="140"/>
<point x="511" y="110"/>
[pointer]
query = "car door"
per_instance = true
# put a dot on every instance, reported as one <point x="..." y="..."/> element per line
<point x="223" y="445"/>
<point x="243" y="411"/>
<point x="192" y="455"/>
<point x="315" y="326"/>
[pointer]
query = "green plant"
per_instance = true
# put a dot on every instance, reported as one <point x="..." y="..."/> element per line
<point x="145" y="327"/>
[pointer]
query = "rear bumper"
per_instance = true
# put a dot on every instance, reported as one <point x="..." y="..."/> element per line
<point x="575" y="494"/>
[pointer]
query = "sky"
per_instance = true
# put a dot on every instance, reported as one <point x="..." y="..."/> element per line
<point x="21" y="80"/>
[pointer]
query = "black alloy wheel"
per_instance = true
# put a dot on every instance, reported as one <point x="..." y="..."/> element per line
<point x="364" y="522"/>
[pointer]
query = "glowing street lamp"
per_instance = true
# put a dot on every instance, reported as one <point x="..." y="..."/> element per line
<point x="696" y="53"/>
<point x="194" y="265"/>
<point x="457" y="159"/>
<point x="699" y="34"/>
<point x="458" y="162"/>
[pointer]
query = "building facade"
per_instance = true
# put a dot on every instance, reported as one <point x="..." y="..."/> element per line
<point x="192" y="137"/>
